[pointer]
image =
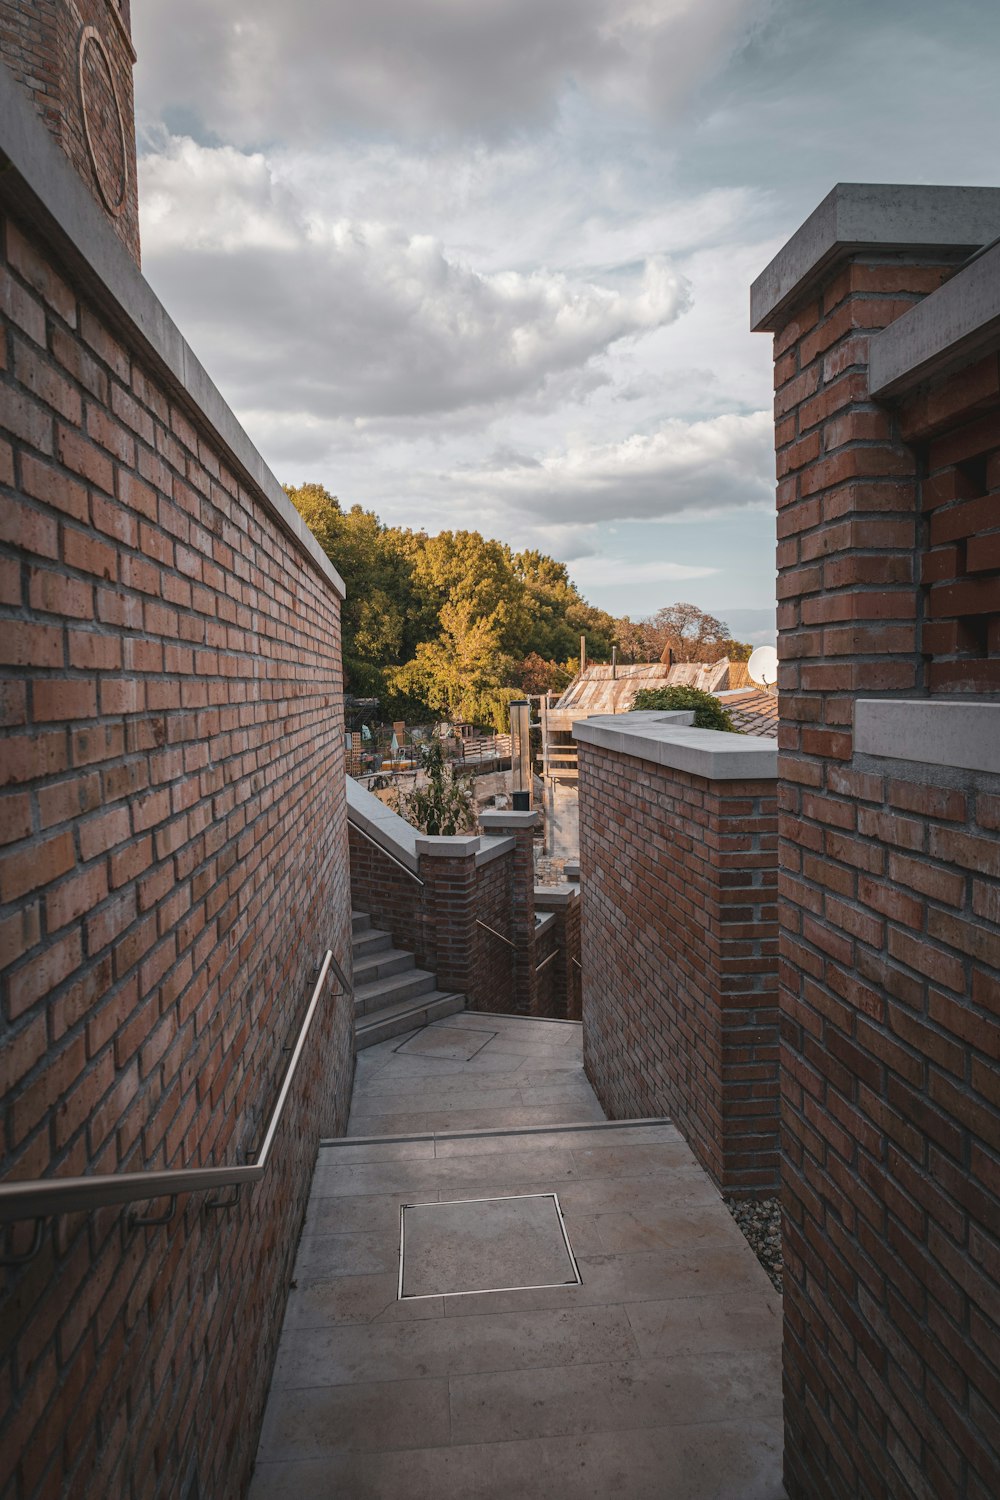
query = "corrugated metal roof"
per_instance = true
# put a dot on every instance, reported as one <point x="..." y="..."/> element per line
<point x="596" y="691"/>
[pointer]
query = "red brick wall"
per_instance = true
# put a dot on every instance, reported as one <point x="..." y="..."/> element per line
<point x="40" y="42"/>
<point x="954" y="427"/>
<point x="174" y="863"/>
<point x="494" y="963"/>
<point x="436" y="920"/>
<point x="890" y="907"/>
<point x="679" y="954"/>
<point x="391" y="897"/>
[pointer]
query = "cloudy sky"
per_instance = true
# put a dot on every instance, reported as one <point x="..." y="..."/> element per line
<point x="486" y="262"/>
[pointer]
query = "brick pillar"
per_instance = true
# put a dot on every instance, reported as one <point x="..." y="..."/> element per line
<point x="520" y="826"/>
<point x="448" y="869"/>
<point x="564" y="900"/>
<point x="886" y="1133"/>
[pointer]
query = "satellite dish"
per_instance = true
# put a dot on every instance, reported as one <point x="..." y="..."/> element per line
<point x="762" y="668"/>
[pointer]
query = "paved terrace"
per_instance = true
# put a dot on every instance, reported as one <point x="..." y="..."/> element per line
<point x="658" y="1375"/>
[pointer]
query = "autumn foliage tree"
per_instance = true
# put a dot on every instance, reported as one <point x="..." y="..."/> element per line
<point x="448" y="626"/>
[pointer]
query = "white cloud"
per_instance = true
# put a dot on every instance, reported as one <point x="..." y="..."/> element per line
<point x="251" y="71"/>
<point x="722" y="463"/>
<point x="606" y="572"/>
<point x="330" y="318"/>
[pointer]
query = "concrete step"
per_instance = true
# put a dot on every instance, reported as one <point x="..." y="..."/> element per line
<point x="360" y="921"/>
<point x="392" y="991"/>
<point x="372" y="941"/>
<point x="380" y="965"/>
<point x="394" y="1020"/>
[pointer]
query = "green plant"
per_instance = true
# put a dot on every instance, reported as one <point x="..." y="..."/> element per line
<point x="708" y="711"/>
<point x="445" y="805"/>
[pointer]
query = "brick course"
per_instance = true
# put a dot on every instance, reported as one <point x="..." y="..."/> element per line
<point x="679" y="955"/>
<point x="890" y="944"/>
<point x="174" y="864"/>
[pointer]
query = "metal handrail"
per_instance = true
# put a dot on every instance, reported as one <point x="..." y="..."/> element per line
<point x="382" y="850"/>
<point x="42" y="1198"/>
<point x="493" y="933"/>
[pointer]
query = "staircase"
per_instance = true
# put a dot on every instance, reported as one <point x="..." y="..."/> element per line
<point x="391" y="995"/>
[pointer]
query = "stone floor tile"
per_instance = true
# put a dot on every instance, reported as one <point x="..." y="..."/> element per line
<point x="509" y="1341"/>
<point x="371" y="1417"/>
<point x="706" y="1325"/>
<point x="355" y="1254"/>
<point x="342" y="1300"/>
<point x="707" y="1388"/>
<point x="717" y="1461"/>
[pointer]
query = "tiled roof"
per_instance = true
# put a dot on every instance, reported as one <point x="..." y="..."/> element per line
<point x="753" y="711"/>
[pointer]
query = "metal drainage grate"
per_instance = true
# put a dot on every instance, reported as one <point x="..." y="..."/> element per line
<point x="456" y="1043"/>
<point x="473" y="1245"/>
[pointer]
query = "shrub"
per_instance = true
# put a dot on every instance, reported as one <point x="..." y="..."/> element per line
<point x="445" y="805"/>
<point x="708" y="711"/>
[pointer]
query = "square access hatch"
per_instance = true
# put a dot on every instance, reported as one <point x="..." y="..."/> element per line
<point x="458" y="1248"/>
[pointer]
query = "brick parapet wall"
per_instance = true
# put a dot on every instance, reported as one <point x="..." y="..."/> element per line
<point x="679" y="954"/>
<point x="174" y="865"/>
<point x="890" y="904"/>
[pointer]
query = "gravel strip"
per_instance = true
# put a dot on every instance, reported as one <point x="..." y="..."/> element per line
<point x="760" y="1221"/>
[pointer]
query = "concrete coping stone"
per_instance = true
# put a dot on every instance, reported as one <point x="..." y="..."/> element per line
<point x="41" y="183"/>
<point x="543" y="921"/>
<point x="383" y="826"/>
<point x="492" y="846"/>
<point x="951" y="327"/>
<point x="501" y="820"/>
<point x="554" y="897"/>
<point x="670" y="739"/>
<point x="443" y="846"/>
<point x="935" y="732"/>
<point x="885" y="218"/>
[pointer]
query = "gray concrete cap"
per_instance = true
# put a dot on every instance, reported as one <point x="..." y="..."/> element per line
<point x="711" y="753"/>
<point x="934" y="732"/>
<point x="42" y="185"/>
<point x="441" y="846"/>
<point x="502" y="820"/>
<point x="383" y="826"/>
<point x="955" y="325"/>
<point x="882" y="217"/>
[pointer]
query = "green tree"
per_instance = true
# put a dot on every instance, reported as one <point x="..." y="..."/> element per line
<point x="377" y="618"/>
<point x="463" y="674"/>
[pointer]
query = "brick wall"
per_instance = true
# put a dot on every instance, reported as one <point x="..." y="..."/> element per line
<point x="494" y="988"/>
<point x="678" y="947"/>
<point x="890" y="903"/>
<point x="954" y="429"/>
<point x="471" y="920"/>
<point x="174" y="863"/>
<point x="44" y="45"/>
<point x="390" y="896"/>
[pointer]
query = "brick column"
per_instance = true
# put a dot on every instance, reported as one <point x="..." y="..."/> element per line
<point x="447" y="867"/>
<point x="889" y="960"/>
<point x="520" y="826"/>
<point x="564" y="900"/>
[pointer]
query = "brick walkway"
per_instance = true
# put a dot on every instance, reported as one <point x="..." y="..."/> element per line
<point x="657" y="1376"/>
